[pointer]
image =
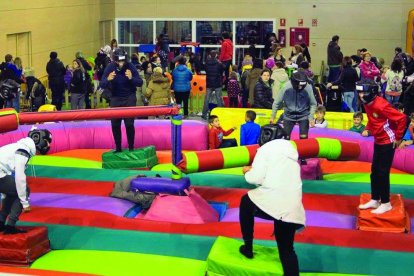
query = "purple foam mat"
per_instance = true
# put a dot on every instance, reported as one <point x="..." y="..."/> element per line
<point x="313" y="218"/>
<point x="109" y="205"/>
<point x="412" y="225"/>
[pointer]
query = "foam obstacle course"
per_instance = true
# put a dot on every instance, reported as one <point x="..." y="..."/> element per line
<point x="70" y="196"/>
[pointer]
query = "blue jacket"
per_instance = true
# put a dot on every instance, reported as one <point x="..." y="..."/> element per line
<point x="121" y="86"/>
<point x="182" y="79"/>
<point x="249" y="133"/>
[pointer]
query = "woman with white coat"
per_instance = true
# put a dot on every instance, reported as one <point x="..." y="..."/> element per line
<point x="278" y="196"/>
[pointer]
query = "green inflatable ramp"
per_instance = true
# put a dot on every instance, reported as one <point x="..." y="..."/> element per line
<point x="119" y="263"/>
<point x="225" y="259"/>
<point x="142" y="158"/>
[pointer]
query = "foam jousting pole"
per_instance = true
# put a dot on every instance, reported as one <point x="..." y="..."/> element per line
<point x="10" y="119"/>
<point x="207" y="160"/>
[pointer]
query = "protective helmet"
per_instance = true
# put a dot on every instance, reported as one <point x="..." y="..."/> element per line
<point x="8" y="90"/>
<point x="271" y="132"/>
<point x="120" y="55"/>
<point x="42" y="139"/>
<point x="299" y="80"/>
<point x="369" y="88"/>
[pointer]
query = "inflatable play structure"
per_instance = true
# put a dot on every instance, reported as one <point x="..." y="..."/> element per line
<point x="410" y="33"/>
<point x="69" y="195"/>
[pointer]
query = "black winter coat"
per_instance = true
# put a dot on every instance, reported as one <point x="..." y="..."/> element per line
<point x="56" y="71"/>
<point x="214" y="73"/>
<point x="335" y="55"/>
<point x="263" y="95"/>
<point x="78" y="82"/>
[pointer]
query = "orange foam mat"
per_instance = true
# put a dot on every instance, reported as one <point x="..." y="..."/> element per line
<point x="40" y="272"/>
<point x="329" y="167"/>
<point x="164" y="157"/>
<point x="394" y="221"/>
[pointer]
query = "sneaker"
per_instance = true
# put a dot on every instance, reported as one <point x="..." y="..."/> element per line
<point x="247" y="253"/>
<point x="11" y="230"/>
<point x="383" y="208"/>
<point x="372" y="204"/>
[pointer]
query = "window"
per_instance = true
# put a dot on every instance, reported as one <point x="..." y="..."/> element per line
<point x="252" y="31"/>
<point x="178" y="31"/>
<point x="135" y="32"/>
<point x="209" y="32"/>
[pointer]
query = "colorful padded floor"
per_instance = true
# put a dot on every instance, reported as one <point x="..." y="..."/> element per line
<point x="329" y="243"/>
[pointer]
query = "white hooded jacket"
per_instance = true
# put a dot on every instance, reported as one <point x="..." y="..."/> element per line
<point x="276" y="171"/>
<point x="14" y="160"/>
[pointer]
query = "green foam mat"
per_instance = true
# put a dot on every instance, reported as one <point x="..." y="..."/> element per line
<point x="400" y="179"/>
<point x="60" y="161"/>
<point x="145" y="157"/>
<point x="225" y="259"/>
<point x="118" y="263"/>
<point x="312" y="257"/>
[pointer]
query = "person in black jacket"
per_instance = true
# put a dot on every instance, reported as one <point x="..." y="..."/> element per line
<point x="122" y="78"/>
<point x="305" y="52"/>
<point x="347" y="80"/>
<point x="89" y="88"/>
<point x="214" y="81"/>
<point x="56" y="72"/>
<point x="334" y="59"/>
<point x="263" y="91"/>
<point x="78" y="86"/>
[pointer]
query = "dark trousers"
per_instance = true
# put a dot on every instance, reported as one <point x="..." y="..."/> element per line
<point x="284" y="234"/>
<point x="233" y="102"/>
<point x="227" y="65"/>
<point x="182" y="97"/>
<point x="334" y="73"/>
<point x="11" y="206"/>
<point x="129" y="122"/>
<point x="303" y="128"/>
<point x="380" y="172"/>
<point x="245" y="98"/>
<point x="228" y="143"/>
<point x="58" y="89"/>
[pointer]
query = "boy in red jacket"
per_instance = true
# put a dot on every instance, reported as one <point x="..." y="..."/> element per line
<point x="387" y="125"/>
<point x="216" y="133"/>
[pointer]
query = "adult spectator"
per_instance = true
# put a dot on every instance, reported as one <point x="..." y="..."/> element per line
<point x="263" y="91"/>
<point x="122" y="78"/>
<point x="86" y="68"/>
<point x="182" y="77"/>
<point x="214" y="82"/>
<point x="305" y="52"/>
<point x="335" y="57"/>
<point x="368" y="68"/>
<point x="253" y="77"/>
<point x="56" y="72"/>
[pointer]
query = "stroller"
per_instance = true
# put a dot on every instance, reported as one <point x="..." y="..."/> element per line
<point x="36" y="93"/>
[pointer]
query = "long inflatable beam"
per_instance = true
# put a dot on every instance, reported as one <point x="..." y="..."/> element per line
<point x="10" y="119"/>
<point x="199" y="161"/>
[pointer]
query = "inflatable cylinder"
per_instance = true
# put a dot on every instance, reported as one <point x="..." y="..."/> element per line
<point x="9" y="120"/>
<point x="199" y="161"/>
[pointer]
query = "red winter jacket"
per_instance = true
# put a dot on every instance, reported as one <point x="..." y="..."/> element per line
<point x="215" y="136"/>
<point x="385" y="123"/>
<point x="226" y="50"/>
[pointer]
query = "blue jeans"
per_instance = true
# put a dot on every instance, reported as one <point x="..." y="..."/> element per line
<point x="349" y="100"/>
<point x="207" y="97"/>
<point x="14" y="103"/>
<point x="392" y="99"/>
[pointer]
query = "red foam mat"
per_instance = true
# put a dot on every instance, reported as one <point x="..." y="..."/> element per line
<point x="38" y="272"/>
<point x="395" y="221"/>
<point x="315" y="235"/>
<point x="24" y="248"/>
<point x="329" y="167"/>
<point x="69" y="186"/>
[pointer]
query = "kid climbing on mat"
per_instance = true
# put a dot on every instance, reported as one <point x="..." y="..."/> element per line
<point x="13" y="160"/>
<point x="278" y="196"/>
<point x="387" y="125"/>
<point x="216" y="133"/>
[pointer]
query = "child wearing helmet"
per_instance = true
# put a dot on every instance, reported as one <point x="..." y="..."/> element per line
<point x="278" y="196"/>
<point x="13" y="160"/>
<point x="387" y="125"/>
<point x="300" y="105"/>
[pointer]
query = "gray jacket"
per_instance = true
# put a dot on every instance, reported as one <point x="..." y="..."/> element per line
<point x="298" y="105"/>
<point x="121" y="190"/>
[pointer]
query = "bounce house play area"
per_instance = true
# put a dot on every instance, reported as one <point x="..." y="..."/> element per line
<point x="80" y="225"/>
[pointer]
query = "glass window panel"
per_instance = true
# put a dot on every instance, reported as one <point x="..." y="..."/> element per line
<point x="178" y="31"/>
<point x="252" y="30"/>
<point x="205" y="51"/>
<point x="135" y="32"/>
<point x="209" y="32"/>
<point x="241" y="52"/>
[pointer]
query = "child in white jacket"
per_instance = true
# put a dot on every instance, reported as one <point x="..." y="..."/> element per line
<point x="278" y="196"/>
<point x="13" y="160"/>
